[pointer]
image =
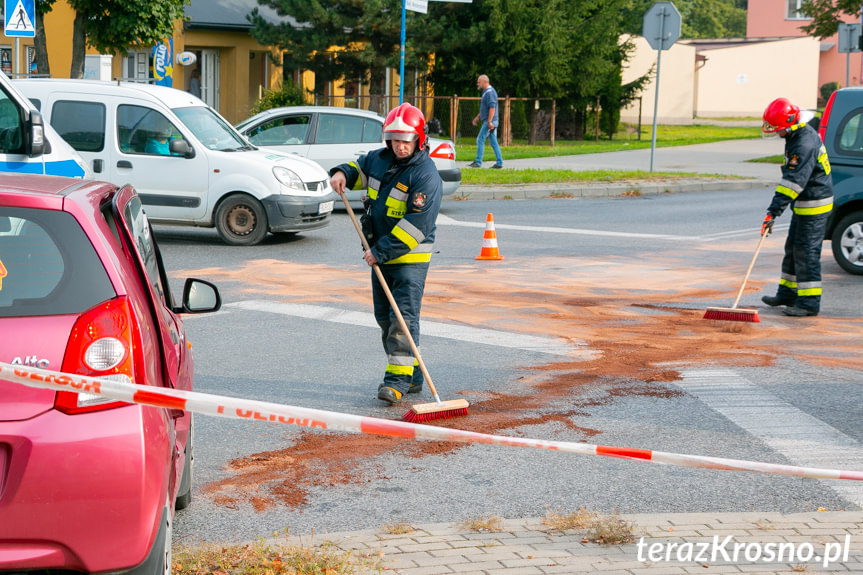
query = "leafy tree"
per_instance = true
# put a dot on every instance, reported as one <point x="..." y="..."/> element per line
<point x="596" y="67"/>
<point x="698" y="18"/>
<point x="458" y="36"/>
<point x="367" y="34"/>
<point x="40" y="48"/>
<point x="529" y="48"/>
<point x="827" y="14"/>
<point x="615" y="95"/>
<point x="112" y="26"/>
<point x="711" y="19"/>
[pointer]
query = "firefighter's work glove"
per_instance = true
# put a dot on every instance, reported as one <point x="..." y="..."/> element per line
<point x="767" y="224"/>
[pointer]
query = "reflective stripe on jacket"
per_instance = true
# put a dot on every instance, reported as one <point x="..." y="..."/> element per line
<point x="405" y="200"/>
<point x="806" y="180"/>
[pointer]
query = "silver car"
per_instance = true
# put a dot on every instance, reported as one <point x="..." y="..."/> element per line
<point x="331" y="136"/>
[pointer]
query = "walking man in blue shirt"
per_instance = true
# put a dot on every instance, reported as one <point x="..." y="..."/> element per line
<point x="488" y="113"/>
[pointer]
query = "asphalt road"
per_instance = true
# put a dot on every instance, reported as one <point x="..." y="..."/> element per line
<point x="256" y="349"/>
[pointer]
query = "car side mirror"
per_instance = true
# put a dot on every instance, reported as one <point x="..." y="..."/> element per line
<point x="181" y="148"/>
<point x="36" y="135"/>
<point x="200" y="296"/>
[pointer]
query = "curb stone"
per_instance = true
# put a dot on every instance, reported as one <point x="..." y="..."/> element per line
<point x="593" y="190"/>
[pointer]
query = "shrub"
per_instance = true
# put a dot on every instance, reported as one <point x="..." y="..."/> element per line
<point x="825" y="91"/>
<point x="286" y="95"/>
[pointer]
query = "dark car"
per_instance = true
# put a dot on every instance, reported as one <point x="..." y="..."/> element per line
<point x="841" y="129"/>
<point x="89" y="484"/>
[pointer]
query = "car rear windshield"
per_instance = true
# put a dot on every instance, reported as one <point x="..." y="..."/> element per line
<point x="47" y="265"/>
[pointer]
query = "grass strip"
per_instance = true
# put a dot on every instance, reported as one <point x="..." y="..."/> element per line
<point x="263" y="558"/>
<point x="545" y="176"/>
<point x="670" y="135"/>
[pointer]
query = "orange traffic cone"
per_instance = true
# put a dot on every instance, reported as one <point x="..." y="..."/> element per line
<point x="489" y="242"/>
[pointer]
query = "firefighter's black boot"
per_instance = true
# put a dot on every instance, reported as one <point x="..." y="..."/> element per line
<point x="776" y="300"/>
<point x="799" y="311"/>
<point x="389" y="395"/>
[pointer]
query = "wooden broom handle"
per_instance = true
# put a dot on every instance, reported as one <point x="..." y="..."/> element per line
<point x="749" y="271"/>
<point x="392" y="300"/>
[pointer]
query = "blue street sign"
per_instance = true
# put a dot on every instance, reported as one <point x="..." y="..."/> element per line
<point x="20" y="21"/>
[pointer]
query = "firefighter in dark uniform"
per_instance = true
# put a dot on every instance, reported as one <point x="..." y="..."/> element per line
<point x="404" y="195"/>
<point x="807" y="187"/>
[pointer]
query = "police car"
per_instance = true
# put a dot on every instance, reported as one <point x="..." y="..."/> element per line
<point x="28" y="145"/>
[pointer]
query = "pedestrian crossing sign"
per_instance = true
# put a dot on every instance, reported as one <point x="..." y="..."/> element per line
<point x="20" y="16"/>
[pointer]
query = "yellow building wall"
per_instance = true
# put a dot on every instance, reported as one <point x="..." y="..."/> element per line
<point x="307" y="83"/>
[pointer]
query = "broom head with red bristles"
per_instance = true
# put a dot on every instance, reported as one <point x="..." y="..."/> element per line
<point x="732" y="314"/>
<point x="425" y="412"/>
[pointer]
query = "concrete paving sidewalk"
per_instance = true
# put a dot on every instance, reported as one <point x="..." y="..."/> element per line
<point x="669" y="543"/>
<point x="731" y="157"/>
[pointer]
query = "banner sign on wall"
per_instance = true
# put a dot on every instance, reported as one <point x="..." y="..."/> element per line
<point x="163" y="63"/>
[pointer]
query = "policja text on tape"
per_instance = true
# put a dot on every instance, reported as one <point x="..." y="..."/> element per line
<point x="239" y="408"/>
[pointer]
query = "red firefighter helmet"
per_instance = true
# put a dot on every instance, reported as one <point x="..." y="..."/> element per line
<point x="406" y="122"/>
<point x="780" y="114"/>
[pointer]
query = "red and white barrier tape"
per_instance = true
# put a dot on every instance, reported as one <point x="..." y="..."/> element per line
<point x="238" y="408"/>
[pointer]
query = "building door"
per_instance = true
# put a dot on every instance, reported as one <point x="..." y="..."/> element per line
<point x="210" y="78"/>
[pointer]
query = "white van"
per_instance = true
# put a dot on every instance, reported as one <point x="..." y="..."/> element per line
<point x="188" y="164"/>
<point x="27" y="145"/>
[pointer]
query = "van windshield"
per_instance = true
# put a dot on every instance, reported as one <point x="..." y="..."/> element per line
<point x="211" y="129"/>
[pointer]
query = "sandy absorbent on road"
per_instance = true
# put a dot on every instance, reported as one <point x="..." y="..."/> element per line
<point x="643" y="319"/>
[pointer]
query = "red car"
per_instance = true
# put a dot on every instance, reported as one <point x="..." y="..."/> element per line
<point x="89" y="484"/>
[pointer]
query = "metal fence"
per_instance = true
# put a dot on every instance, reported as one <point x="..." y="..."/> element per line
<point x="452" y="117"/>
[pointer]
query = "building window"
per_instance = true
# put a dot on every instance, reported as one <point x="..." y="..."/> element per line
<point x="138" y="66"/>
<point x="793" y="12"/>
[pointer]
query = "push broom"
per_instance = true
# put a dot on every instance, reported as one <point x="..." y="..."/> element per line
<point x="421" y="412"/>
<point x="733" y="313"/>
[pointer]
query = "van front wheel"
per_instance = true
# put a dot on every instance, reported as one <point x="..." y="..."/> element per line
<point x="847" y="243"/>
<point x="241" y="220"/>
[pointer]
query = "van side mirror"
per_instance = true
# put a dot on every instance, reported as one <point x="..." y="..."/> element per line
<point x="181" y="148"/>
<point x="35" y="145"/>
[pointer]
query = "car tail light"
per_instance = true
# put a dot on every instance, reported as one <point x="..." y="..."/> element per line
<point x="444" y="151"/>
<point x="105" y="342"/>
<point x="825" y="117"/>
